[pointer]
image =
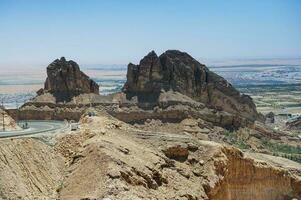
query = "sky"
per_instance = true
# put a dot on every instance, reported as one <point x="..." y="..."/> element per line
<point x="35" y="32"/>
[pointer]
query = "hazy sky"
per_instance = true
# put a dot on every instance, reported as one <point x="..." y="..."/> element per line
<point x="115" y="32"/>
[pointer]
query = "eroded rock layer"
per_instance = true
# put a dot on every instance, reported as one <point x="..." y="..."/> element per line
<point x="29" y="169"/>
<point x="178" y="71"/>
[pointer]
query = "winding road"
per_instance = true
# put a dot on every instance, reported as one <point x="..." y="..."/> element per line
<point x="35" y="127"/>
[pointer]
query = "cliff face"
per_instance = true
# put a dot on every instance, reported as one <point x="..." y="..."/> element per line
<point x="45" y="112"/>
<point x="65" y="80"/>
<point x="170" y="87"/>
<point x="66" y="89"/>
<point x="178" y="71"/>
<point x="247" y="178"/>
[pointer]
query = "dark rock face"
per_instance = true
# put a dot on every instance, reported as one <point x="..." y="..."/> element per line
<point x="270" y="117"/>
<point x="148" y="76"/>
<point x="178" y="71"/>
<point x="65" y="80"/>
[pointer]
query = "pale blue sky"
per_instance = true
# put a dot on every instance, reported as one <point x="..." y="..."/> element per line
<point x="122" y="31"/>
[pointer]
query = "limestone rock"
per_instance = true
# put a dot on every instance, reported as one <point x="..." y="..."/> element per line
<point x="178" y="71"/>
<point x="20" y="156"/>
<point x="65" y="80"/>
<point x="177" y="152"/>
<point x="9" y="123"/>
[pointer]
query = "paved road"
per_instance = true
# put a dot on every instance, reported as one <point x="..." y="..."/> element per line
<point x="36" y="127"/>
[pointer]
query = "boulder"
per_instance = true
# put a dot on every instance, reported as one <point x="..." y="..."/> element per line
<point x="177" y="71"/>
<point x="65" y="80"/>
<point x="270" y="117"/>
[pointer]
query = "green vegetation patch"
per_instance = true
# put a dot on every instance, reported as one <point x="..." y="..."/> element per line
<point x="234" y="140"/>
<point x="284" y="150"/>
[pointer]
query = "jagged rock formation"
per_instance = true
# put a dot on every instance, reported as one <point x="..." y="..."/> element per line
<point x="65" y="80"/>
<point x="171" y="87"/>
<point x="66" y="92"/>
<point x="178" y="71"/>
<point x="110" y="159"/>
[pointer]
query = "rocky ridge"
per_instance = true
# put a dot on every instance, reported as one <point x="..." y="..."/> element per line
<point x="178" y="71"/>
<point x="170" y="87"/>
<point x="173" y="146"/>
<point x="65" y="80"/>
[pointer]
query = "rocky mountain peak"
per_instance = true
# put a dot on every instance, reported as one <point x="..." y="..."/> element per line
<point x="63" y="59"/>
<point x="180" y="72"/>
<point x="147" y="76"/>
<point x="65" y="80"/>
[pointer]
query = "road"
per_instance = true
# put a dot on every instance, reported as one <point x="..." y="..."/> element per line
<point x="36" y="127"/>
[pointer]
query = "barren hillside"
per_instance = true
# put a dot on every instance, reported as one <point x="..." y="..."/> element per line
<point x="6" y="122"/>
<point x="109" y="159"/>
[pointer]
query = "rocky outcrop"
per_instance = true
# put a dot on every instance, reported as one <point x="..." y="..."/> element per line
<point x="270" y="117"/>
<point x="174" y="107"/>
<point x="67" y="93"/>
<point x="171" y="87"/>
<point x="7" y="123"/>
<point x="65" y="80"/>
<point x="178" y="71"/>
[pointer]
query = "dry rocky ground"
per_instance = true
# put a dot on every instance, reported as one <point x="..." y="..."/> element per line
<point x="6" y="122"/>
<point x="109" y="159"/>
<point x="179" y="137"/>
